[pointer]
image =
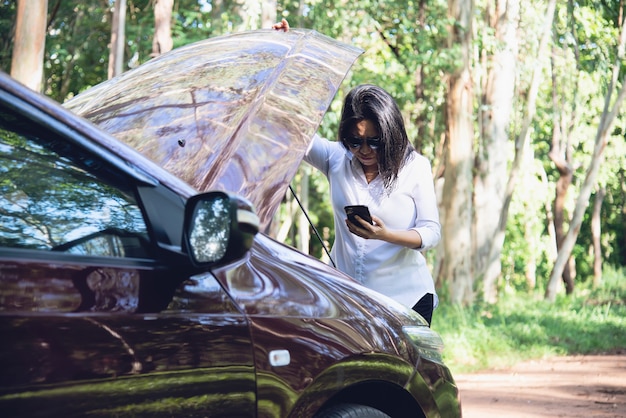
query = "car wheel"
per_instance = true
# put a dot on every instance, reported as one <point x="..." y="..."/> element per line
<point x="348" y="410"/>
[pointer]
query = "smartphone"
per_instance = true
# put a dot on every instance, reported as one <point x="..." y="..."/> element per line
<point x="360" y="210"/>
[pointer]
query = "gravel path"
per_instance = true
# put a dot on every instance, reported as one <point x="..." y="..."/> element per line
<point x="573" y="387"/>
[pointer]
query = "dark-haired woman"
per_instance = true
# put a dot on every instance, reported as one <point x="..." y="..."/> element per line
<point x="373" y="163"/>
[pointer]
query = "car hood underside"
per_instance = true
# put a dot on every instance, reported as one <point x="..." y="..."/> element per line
<point x="233" y="113"/>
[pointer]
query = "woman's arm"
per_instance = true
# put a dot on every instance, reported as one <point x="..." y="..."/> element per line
<point x="318" y="154"/>
<point x="410" y="238"/>
<point x="426" y="231"/>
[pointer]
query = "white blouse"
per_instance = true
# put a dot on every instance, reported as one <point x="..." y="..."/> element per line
<point x="393" y="270"/>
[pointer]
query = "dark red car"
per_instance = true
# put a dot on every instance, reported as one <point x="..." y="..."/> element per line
<point x="135" y="276"/>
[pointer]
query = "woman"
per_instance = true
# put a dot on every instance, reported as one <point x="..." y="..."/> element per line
<point x="374" y="164"/>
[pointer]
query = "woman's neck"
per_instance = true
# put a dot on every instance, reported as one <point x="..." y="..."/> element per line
<point x="370" y="172"/>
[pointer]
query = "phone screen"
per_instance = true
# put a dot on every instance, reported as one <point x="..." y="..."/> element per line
<point x="360" y="210"/>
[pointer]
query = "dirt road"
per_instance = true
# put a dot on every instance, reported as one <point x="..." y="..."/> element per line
<point x="572" y="387"/>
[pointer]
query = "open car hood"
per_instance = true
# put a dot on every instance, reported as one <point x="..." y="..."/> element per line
<point x="233" y="113"/>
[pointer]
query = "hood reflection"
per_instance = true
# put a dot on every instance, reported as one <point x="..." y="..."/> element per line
<point x="238" y="118"/>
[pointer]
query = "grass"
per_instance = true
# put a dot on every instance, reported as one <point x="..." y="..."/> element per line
<point x="523" y="326"/>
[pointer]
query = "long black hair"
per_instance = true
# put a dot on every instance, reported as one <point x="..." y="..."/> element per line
<point x="371" y="102"/>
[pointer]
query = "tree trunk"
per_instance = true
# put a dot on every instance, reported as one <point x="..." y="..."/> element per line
<point x="249" y="13"/>
<point x="491" y="163"/>
<point x="522" y="139"/>
<point x="582" y="202"/>
<point x="421" y="117"/>
<point x="596" y="233"/>
<point x="268" y="13"/>
<point x="562" y="184"/>
<point x="282" y="230"/>
<point x="457" y="194"/>
<point x="116" y="49"/>
<point x="30" y="41"/>
<point x="217" y="10"/>
<point x="561" y="156"/>
<point x="530" y="271"/>
<point x="162" y="41"/>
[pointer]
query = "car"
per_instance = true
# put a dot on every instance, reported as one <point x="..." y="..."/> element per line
<point x="137" y="277"/>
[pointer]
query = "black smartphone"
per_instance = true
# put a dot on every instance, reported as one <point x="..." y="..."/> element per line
<point x="360" y="210"/>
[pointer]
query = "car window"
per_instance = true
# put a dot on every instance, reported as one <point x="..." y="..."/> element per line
<point x="56" y="196"/>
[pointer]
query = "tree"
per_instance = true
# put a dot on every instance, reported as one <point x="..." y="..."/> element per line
<point x="162" y="40"/>
<point x="268" y="13"/>
<point x="457" y="192"/>
<point x="609" y="114"/>
<point x="118" y="35"/>
<point x="523" y="137"/>
<point x="492" y="157"/>
<point x="596" y="231"/>
<point x="563" y="123"/>
<point x="30" y="40"/>
<point x="77" y="47"/>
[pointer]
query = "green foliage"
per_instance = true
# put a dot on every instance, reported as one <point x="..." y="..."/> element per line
<point x="527" y="243"/>
<point x="7" y="29"/>
<point x="578" y="72"/>
<point x="319" y="211"/>
<point x="398" y="39"/>
<point x="193" y="22"/>
<point x="79" y="33"/>
<point x="519" y="327"/>
<point x="76" y="54"/>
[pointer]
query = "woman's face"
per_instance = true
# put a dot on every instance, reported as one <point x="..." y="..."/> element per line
<point x="366" y="153"/>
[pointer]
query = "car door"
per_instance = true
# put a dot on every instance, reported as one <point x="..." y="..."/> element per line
<point x="95" y="320"/>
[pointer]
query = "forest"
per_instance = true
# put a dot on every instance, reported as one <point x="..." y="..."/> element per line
<point x="516" y="103"/>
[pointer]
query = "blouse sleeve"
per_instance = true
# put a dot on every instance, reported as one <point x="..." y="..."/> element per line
<point x="427" y="213"/>
<point x="318" y="154"/>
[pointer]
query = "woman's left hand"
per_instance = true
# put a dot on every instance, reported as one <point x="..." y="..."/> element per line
<point x="407" y="238"/>
<point x="367" y="231"/>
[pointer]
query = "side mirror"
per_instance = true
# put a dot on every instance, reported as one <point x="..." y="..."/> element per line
<point x="218" y="228"/>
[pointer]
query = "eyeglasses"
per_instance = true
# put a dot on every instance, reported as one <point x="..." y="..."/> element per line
<point x="355" y="142"/>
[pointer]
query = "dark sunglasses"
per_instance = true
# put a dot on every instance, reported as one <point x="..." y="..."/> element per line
<point x="354" y="142"/>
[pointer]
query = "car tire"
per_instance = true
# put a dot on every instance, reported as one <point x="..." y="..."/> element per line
<point x="348" y="410"/>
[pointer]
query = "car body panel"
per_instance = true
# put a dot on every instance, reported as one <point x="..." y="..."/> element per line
<point x="355" y="338"/>
<point x="71" y="358"/>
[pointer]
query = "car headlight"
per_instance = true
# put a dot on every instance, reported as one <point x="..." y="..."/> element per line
<point x="427" y="342"/>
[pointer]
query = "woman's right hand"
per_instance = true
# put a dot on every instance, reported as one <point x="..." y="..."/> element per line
<point x="282" y="25"/>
